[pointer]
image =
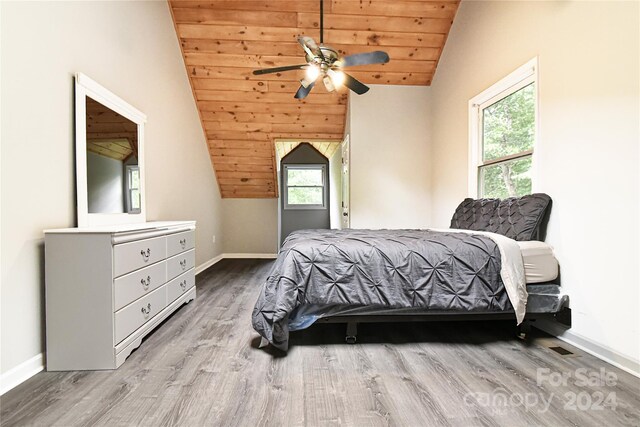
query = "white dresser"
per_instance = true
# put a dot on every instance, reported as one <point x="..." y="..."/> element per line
<point x="107" y="287"/>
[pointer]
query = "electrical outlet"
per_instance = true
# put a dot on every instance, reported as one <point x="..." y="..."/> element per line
<point x="213" y="239"/>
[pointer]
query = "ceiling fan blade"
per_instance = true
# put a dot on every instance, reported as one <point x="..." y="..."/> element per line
<point x="309" y="45"/>
<point x="377" y="57"/>
<point x="304" y="91"/>
<point x="279" y="69"/>
<point x="355" y="85"/>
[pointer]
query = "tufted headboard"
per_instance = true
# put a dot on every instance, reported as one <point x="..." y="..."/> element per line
<point x="520" y="218"/>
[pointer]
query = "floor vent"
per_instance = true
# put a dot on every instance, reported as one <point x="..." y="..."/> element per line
<point x="561" y="351"/>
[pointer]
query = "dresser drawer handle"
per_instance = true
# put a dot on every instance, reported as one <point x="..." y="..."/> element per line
<point x="146" y="311"/>
<point x="183" y="264"/>
<point x="145" y="255"/>
<point x="145" y="283"/>
<point x="183" y="243"/>
<point x="183" y="285"/>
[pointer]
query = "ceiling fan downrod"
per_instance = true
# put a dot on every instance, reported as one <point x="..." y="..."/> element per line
<point x="321" y="21"/>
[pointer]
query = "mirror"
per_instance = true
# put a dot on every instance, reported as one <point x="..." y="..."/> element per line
<point x="113" y="175"/>
<point x="109" y="157"/>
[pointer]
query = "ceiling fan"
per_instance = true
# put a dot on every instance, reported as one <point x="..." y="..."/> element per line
<point x="323" y="61"/>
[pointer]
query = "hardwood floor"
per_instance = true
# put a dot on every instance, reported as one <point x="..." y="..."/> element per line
<point x="203" y="367"/>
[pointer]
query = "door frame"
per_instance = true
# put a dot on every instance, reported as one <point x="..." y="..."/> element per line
<point x="345" y="211"/>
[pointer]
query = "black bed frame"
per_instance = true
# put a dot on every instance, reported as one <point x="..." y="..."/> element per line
<point x="562" y="316"/>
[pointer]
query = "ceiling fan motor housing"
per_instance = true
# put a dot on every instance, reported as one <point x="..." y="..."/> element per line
<point x="330" y="57"/>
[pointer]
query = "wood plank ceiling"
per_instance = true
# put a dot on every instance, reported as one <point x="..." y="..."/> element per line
<point x="243" y="115"/>
<point x="109" y="134"/>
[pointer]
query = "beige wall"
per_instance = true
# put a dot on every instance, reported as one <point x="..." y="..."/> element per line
<point x="587" y="156"/>
<point x="250" y="226"/>
<point x="389" y="138"/>
<point x="130" y="48"/>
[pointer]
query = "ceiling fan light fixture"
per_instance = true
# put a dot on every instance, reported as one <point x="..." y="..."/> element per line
<point x="312" y="73"/>
<point x="337" y="78"/>
<point x="328" y="83"/>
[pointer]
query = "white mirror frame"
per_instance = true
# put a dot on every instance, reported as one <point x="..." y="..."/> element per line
<point x="85" y="87"/>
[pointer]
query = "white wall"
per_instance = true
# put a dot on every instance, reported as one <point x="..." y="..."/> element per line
<point x="389" y="138"/>
<point x="105" y="184"/>
<point x="131" y="48"/>
<point x="587" y="156"/>
<point x="335" y="189"/>
<point x="250" y="226"/>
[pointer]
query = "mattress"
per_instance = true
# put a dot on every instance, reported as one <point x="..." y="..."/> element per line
<point x="540" y="265"/>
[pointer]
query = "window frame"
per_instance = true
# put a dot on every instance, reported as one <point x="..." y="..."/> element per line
<point x="518" y="79"/>
<point x="129" y="190"/>
<point x="286" y="186"/>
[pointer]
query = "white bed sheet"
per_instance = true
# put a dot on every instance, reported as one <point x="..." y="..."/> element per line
<point x="540" y="264"/>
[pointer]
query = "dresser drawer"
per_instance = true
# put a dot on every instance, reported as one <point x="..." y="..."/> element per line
<point x="180" y="242"/>
<point x="141" y="253"/>
<point x="180" y="285"/>
<point x="132" y="286"/>
<point x="139" y="312"/>
<point x="180" y="263"/>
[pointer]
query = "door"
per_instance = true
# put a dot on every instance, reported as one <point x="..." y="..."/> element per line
<point x="345" y="183"/>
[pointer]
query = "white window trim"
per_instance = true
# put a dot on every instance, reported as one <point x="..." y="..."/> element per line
<point x="322" y="167"/>
<point x="129" y="189"/>
<point x="523" y="76"/>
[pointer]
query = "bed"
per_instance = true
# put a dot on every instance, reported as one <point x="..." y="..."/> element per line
<point x="491" y="264"/>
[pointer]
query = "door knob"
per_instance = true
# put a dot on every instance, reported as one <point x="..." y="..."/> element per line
<point x="345" y="214"/>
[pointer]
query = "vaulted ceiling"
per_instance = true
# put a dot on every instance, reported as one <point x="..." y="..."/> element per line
<point x="243" y="115"/>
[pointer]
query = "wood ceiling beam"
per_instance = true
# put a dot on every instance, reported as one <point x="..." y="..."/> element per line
<point x="391" y="78"/>
<point x="271" y="118"/>
<point x="240" y="73"/>
<point x="291" y="49"/>
<point x="331" y="128"/>
<point x="252" y="160"/>
<point x="264" y="61"/>
<point x="249" y="175"/>
<point x="244" y="152"/>
<point x="242" y="168"/>
<point x="257" y="107"/>
<point x="262" y="136"/>
<point x="375" y="23"/>
<point x="424" y="9"/>
<point x="234" y="17"/>
<point x="361" y="37"/>
<point x="254" y="5"/>
<point x="370" y="77"/>
<point x="268" y="98"/>
<point x="226" y="143"/>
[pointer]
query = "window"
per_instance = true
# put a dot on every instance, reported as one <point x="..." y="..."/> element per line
<point x="133" y="189"/>
<point x="503" y="123"/>
<point x="305" y="187"/>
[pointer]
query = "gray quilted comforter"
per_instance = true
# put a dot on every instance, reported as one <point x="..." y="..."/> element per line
<point x="427" y="269"/>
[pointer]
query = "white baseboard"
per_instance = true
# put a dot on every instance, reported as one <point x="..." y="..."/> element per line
<point x="202" y="267"/>
<point x="16" y="376"/>
<point x="215" y="260"/>
<point x="250" y="256"/>
<point x="600" y="351"/>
